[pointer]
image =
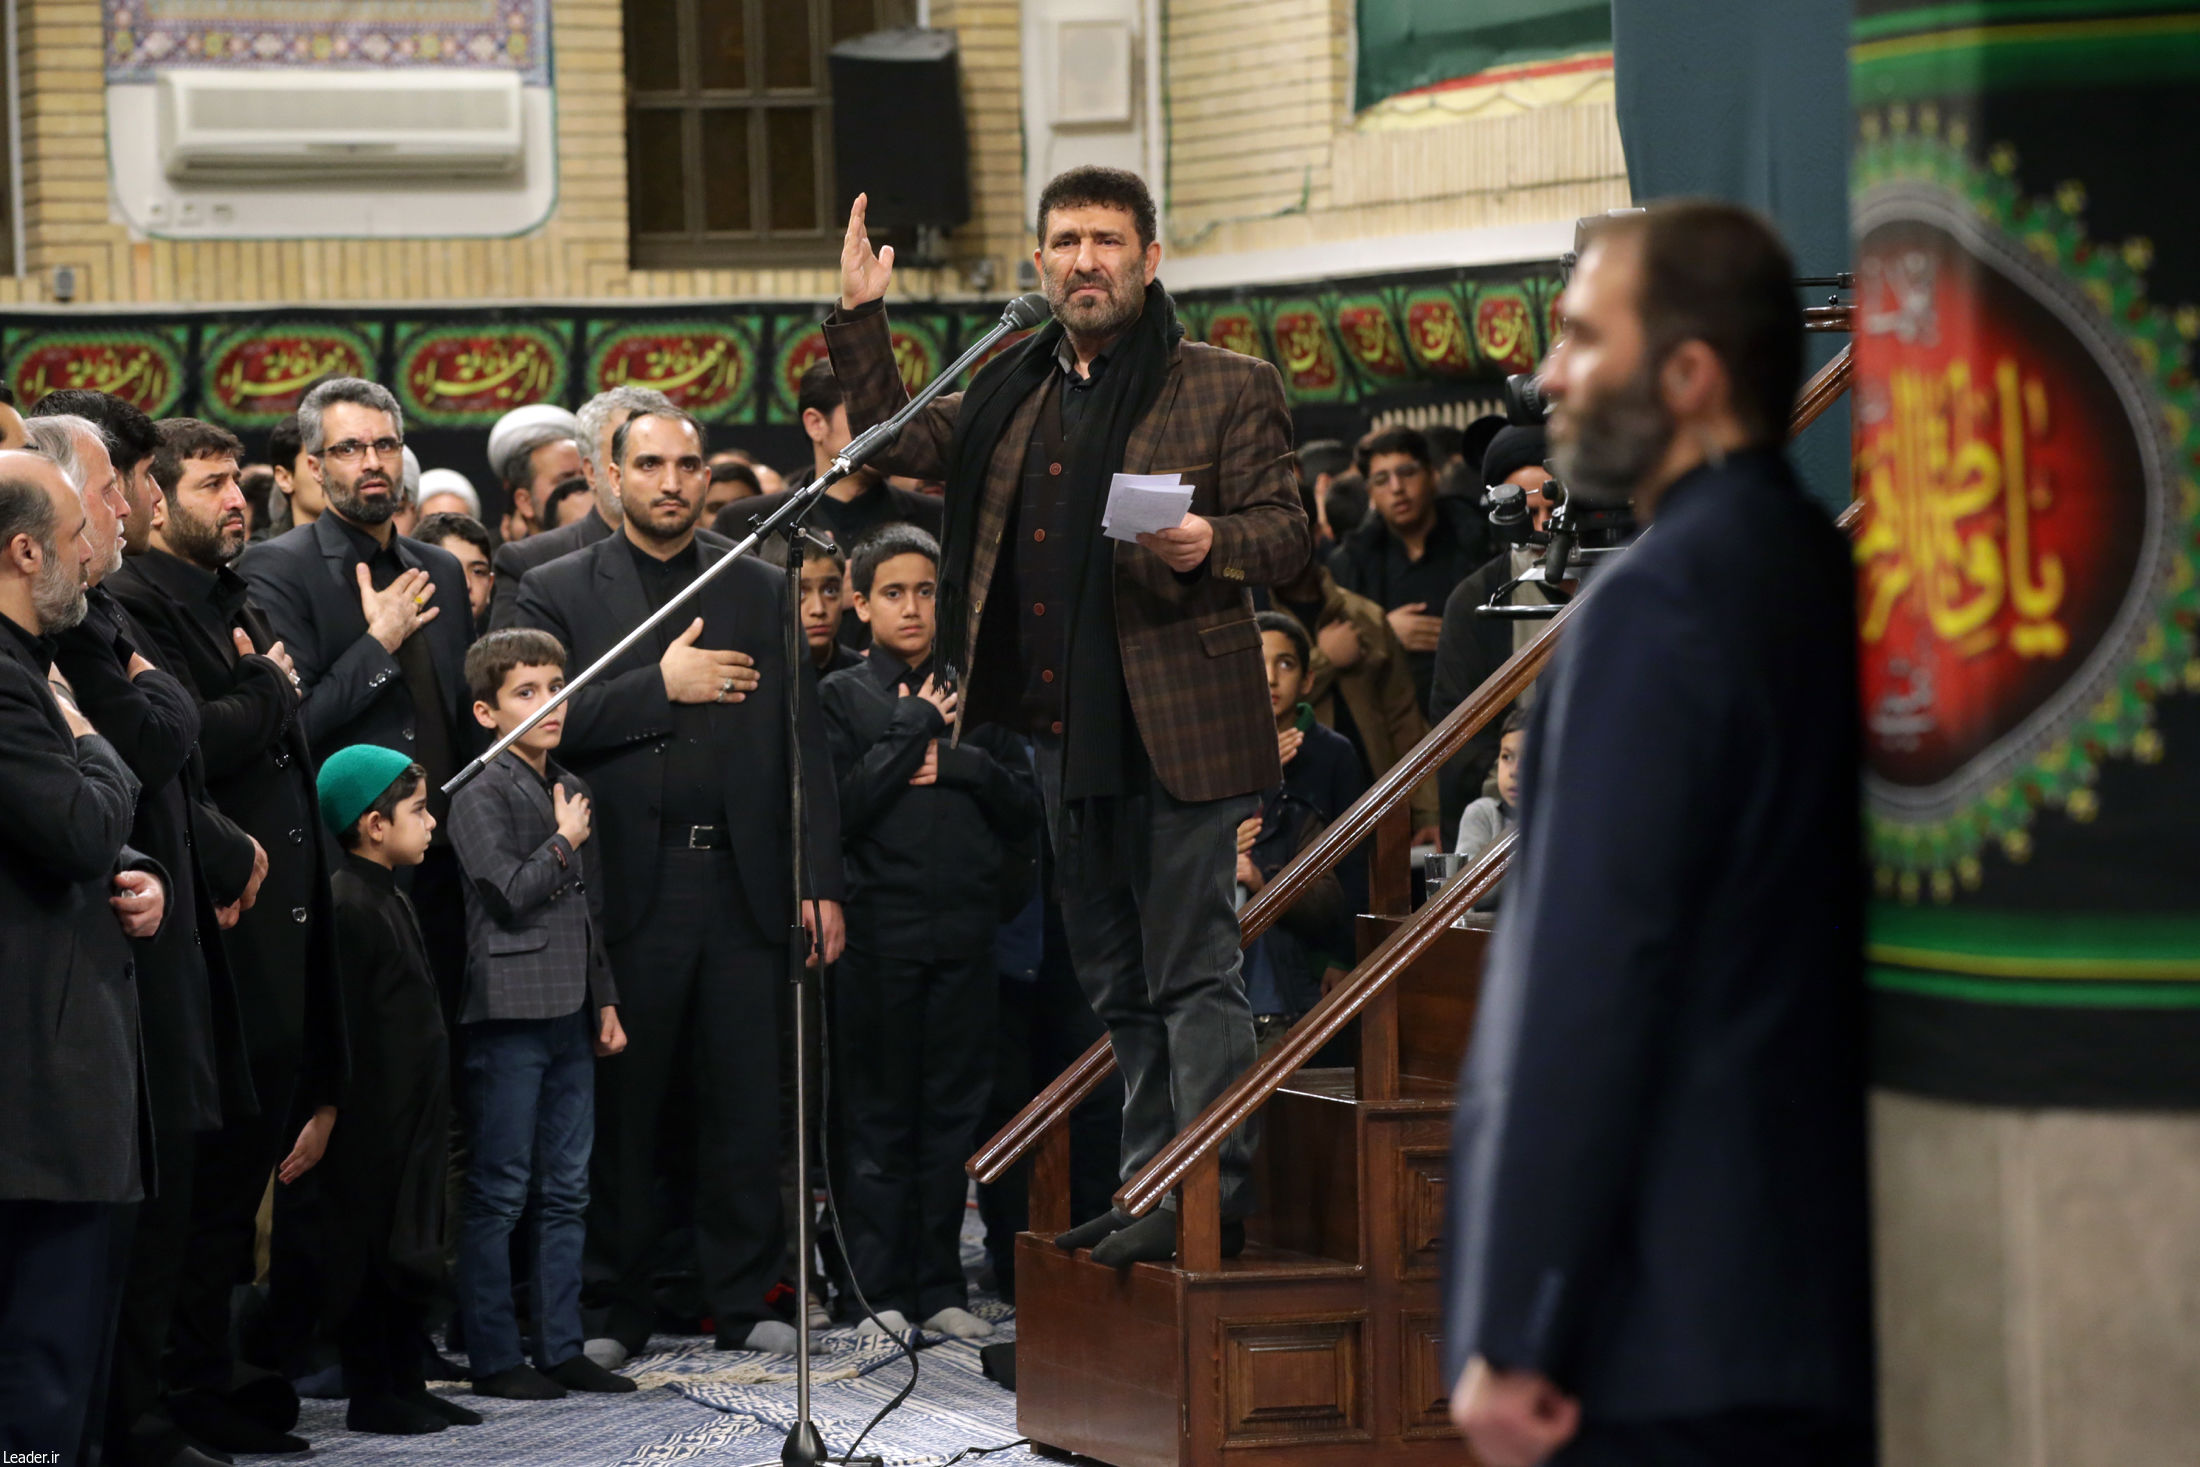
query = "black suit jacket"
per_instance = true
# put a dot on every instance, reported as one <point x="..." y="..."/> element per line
<point x="515" y="558"/>
<point x="195" y="1059"/>
<point x="1658" y="1174"/>
<point x="259" y="772"/>
<point x="355" y="692"/>
<point x="71" y="1092"/>
<point x="616" y="727"/>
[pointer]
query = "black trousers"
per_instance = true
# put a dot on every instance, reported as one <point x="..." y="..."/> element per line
<point x="1042" y="1026"/>
<point x="229" y="1178"/>
<point x="378" y="1341"/>
<point x="698" y="966"/>
<point x="1749" y="1438"/>
<point x="56" y="1312"/>
<point x="150" y="1253"/>
<point x="913" y="1043"/>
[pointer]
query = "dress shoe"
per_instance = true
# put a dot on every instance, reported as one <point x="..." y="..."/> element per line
<point x="521" y="1383"/>
<point x="583" y="1374"/>
<point x="217" y="1422"/>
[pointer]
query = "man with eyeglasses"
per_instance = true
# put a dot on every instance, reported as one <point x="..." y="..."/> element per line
<point x="377" y="626"/>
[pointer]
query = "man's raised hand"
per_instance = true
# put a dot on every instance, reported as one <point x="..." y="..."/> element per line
<point x="864" y="272"/>
<point x="695" y="674"/>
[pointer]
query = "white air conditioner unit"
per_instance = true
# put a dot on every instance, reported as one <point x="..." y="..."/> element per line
<point x="338" y="127"/>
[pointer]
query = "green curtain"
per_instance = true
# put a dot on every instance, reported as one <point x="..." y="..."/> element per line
<point x="1406" y="44"/>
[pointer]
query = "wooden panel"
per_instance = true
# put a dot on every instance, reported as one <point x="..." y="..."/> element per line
<point x="1306" y="1176"/>
<point x="1099" y="1357"/>
<point x="1299" y="1378"/>
<point x="1437" y="996"/>
<point x="1422" y="1177"/>
<point x="1425" y="1403"/>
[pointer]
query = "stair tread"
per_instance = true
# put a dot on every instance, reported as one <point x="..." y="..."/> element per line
<point x="1259" y="1260"/>
<point x="1343" y="1085"/>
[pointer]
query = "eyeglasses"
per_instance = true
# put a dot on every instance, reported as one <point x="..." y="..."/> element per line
<point x="351" y="449"/>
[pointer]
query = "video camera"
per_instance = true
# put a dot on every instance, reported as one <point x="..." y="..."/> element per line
<point x="1575" y="531"/>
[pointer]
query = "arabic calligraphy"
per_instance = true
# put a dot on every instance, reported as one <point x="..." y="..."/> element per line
<point x="1234" y="331"/>
<point x="458" y="375"/>
<point x="1438" y="335"/>
<point x="1953" y="497"/>
<point x="1505" y="330"/>
<point x="1368" y="336"/>
<point x="139" y="372"/>
<point x="1303" y="343"/>
<point x="699" y="370"/>
<point x="263" y="377"/>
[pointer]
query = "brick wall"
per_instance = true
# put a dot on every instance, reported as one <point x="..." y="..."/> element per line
<point x="579" y="254"/>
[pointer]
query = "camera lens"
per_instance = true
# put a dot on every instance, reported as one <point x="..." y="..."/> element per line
<point x="1507" y="504"/>
<point x="1525" y="404"/>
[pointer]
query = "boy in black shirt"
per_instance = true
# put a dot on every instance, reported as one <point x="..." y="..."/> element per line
<point x="385" y="1162"/>
<point x="925" y="822"/>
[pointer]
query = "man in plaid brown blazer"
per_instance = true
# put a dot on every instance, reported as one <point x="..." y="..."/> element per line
<point x="1135" y="668"/>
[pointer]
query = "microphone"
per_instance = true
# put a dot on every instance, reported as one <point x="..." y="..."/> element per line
<point x="1026" y="311"/>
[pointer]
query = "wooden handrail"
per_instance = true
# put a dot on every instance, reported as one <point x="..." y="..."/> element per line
<point x="1447" y="738"/>
<point x="1322" y="1023"/>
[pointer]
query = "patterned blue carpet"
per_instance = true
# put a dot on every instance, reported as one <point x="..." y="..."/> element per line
<point x="702" y="1404"/>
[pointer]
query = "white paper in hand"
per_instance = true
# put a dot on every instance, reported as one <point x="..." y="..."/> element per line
<point x="1142" y="504"/>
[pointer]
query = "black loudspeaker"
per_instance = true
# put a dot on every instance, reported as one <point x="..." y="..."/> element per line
<point x="898" y="131"/>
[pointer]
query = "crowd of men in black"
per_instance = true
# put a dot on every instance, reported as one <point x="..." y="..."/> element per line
<point x="172" y="687"/>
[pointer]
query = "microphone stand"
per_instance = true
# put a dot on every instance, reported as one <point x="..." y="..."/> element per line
<point x="803" y="1448"/>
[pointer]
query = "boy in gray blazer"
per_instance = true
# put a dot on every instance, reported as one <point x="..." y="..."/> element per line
<point x="540" y="1008"/>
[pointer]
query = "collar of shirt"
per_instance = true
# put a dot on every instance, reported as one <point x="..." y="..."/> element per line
<point x="549" y="777"/>
<point x="1066" y="355"/>
<point x="689" y="557"/>
<point x="39" y="646"/>
<point x="892" y="672"/>
<point x="364" y="544"/>
<point x="374" y="873"/>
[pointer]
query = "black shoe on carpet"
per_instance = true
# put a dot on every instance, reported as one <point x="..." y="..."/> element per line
<point x="583" y="1374"/>
<point x="265" y="1397"/>
<point x="521" y="1383"/>
<point x="1089" y="1234"/>
<point x="435" y="1405"/>
<point x="391" y="1416"/>
<point x="217" y="1422"/>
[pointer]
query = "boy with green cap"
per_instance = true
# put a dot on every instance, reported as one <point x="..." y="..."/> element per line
<point x="385" y="1162"/>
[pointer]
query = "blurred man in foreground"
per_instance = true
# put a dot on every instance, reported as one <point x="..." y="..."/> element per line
<point x="1658" y="1240"/>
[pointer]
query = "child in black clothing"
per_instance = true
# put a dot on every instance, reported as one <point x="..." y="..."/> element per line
<point x="925" y="822"/>
<point x="385" y="1163"/>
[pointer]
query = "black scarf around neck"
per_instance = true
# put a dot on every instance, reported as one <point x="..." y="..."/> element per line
<point x="1138" y="367"/>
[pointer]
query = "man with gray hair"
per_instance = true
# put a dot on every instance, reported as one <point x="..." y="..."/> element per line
<point x="194" y="1044"/>
<point x="599" y="418"/>
<point x="377" y="626"/>
<point x="71" y="892"/>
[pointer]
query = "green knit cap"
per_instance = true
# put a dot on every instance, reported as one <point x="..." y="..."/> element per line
<point x="354" y="778"/>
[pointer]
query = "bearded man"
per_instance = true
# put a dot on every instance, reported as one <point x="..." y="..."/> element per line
<point x="1659" y="1232"/>
<point x="377" y="627"/>
<point x="1135" y="668"/>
